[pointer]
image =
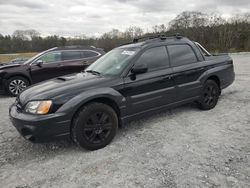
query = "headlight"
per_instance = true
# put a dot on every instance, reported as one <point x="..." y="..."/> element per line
<point x="38" y="107"/>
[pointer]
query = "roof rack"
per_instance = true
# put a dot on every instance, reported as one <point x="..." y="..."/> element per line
<point x="160" y="36"/>
<point x="149" y="37"/>
<point x="77" y="46"/>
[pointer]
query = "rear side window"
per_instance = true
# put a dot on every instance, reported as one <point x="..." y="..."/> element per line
<point x="154" y="58"/>
<point x="181" y="55"/>
<point x="71" y="55"/>
<point x="87" y="54"/>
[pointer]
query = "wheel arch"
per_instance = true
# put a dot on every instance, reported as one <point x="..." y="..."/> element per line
<point x="102" y="99"/>
<point x="105" y="100"/>
<point x="19" y="75"/>
<point x="215" y="78"/>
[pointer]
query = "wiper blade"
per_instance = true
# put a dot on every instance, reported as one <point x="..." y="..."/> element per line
<point x="93" y="72"/>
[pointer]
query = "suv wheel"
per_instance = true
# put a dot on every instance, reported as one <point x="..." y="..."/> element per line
<point x="210" y="95"/>
<point x="94" y="126"/>
<point x="16" y="85"/>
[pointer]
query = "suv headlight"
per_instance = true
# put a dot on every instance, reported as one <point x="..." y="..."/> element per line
<point x="38" y="107"/>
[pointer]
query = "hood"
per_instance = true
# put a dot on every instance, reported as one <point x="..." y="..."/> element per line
<point x="8" y="65"/>
<point x="63" y="87"/>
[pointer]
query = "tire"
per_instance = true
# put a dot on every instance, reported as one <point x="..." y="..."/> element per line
<point x="210" y="95"/>
<point x="94" y="126"/>
<point x="16" y="85"/>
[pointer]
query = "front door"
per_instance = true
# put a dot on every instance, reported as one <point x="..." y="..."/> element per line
<point x="51" y="67"/>
<point x="153" y="89"/>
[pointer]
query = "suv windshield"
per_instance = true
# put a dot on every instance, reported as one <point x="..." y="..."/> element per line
<point x="33" y="58"/>
<point x="114" y="62"/>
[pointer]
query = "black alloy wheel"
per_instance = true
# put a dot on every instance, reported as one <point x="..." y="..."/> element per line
<point x="210" y="95"/>
<point x="94" y="126"/>
<point x="97" y="127"/>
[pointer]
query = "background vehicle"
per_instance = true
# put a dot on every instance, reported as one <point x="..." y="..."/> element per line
<point x="15" y="77"/>
<point x="127" y="83"/>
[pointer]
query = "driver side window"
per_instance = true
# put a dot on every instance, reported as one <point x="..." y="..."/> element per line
<point x="51" y="57"/>
<point x="154" y="58"/>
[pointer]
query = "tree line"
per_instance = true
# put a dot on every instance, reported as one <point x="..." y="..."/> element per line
<point x="211" y="30"/>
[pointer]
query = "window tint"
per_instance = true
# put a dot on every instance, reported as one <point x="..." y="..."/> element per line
<point x="51" y="57"/>
<point x="181" y="55"/>
<point x="87" y="54"/>
<point x="154" y="58"/>
<point x="71" y="55"/>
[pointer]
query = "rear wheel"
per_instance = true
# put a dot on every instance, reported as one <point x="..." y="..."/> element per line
<point x="210" y="95"/>
<point x="16" y="85"/>
<point x="94" y="126"/>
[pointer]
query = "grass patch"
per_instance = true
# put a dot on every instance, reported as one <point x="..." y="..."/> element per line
<point x="8" y="57"/>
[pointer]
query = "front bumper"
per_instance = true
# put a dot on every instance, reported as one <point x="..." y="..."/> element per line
<point x="40" y="128"/>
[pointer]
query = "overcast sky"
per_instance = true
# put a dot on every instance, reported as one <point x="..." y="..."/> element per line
<point x="94" y="17"/>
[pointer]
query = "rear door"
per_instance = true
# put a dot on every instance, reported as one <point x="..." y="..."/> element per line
<point x="187" y="71"/>
<point x="154" y="88"/>
<point x="75" y="61"/>
<point x="90" y="56"/>
<point x="50" y="68"/>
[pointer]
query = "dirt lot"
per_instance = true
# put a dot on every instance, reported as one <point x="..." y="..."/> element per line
<point x="183" y="147"/>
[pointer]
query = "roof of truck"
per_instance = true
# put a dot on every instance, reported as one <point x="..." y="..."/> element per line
<point x="154" y="39"/>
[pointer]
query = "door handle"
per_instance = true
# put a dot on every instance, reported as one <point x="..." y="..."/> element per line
<point x="176" y="75"/>
<point x="190" y="72"/>
<point x="201" y="69"/>
<point x="168" y="77"/>
<point x="165" y="78"/>
<point x="84" y="62"/>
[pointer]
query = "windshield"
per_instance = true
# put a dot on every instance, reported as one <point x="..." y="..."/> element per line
<point x="114" y="62"/>
<point x="31" y="59"/>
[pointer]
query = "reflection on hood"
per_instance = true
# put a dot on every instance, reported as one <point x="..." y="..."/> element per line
<point x="8" y="65"/>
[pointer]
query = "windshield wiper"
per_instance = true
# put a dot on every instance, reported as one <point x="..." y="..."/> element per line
<point x="93" y="72"/>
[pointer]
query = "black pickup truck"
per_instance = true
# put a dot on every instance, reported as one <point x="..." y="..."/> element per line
<point x="129" y="82"/>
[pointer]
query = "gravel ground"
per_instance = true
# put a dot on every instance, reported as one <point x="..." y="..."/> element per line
<point x="182" y="147"/>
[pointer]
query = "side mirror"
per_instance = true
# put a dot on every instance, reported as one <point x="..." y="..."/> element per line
<point x="39" y="63"/>
<point x="139" y="69"/>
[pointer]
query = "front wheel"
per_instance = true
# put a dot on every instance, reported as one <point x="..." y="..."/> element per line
<point x="16" y="85"/>
<point x="94" y="126"/>
<point x="210" y="95"/>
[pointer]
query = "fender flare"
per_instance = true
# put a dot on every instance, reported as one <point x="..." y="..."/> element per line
<point x="74" y="104"/>
<point x="8" y="76"/>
